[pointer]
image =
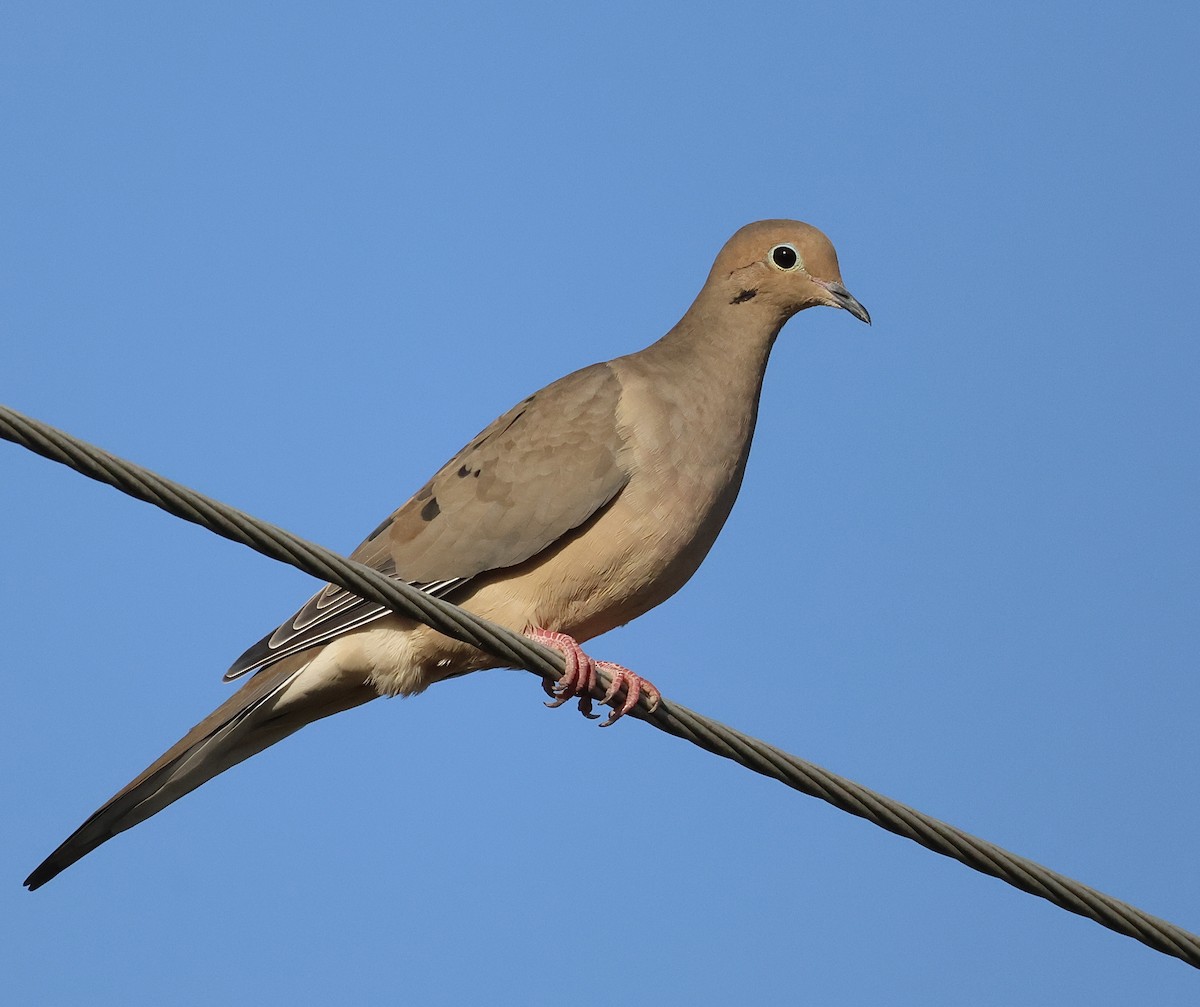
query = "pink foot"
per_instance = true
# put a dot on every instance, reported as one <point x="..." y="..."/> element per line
<point x="579" y="678"/>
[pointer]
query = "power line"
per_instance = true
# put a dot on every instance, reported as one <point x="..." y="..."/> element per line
<point x="670" y="717"/>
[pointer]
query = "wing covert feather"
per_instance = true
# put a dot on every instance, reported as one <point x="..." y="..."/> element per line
<point x="536" y="473"/>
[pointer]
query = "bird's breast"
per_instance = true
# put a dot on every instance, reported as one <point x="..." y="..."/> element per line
<point x="685" y="452"/>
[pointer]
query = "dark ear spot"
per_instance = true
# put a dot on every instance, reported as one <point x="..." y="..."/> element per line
<point x="430" y="510"/>
<point x="744" y="296"/>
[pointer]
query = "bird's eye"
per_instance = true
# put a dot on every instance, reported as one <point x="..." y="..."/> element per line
<point x="785" y="257"/>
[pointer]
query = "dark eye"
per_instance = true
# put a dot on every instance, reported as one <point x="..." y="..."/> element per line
<point x="785" y="257"/>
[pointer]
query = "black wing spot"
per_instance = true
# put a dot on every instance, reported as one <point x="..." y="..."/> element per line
<point x="744" y="296"/>
<point x="509" y="424"/>
<point x="430" y="510"/>
<point x="383" y="525"/>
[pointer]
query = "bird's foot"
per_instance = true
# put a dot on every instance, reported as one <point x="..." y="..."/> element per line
<point x="579" y="674"/>
<point x="579" y="679"/>
<point x="634" y="686"/>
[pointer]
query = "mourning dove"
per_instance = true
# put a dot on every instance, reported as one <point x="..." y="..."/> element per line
<point x="582" y="507"/>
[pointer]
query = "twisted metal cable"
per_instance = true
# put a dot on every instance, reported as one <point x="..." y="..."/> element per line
<point x="670" y="717"/>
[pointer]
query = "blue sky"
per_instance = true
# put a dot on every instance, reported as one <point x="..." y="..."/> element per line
<point x="295" y="255"/>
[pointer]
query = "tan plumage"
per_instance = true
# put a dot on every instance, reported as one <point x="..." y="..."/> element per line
<point x="581" y="508"/>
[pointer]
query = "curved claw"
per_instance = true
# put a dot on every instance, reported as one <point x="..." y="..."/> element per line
<point x="579" y="674"/>
<point x="634" y="686"/>
<point x="579" y="679"/>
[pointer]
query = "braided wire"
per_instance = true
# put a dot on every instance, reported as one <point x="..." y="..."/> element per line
<point x="519" y="651"/>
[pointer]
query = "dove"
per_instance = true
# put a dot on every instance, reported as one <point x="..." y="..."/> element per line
<point x="583" y="507"/>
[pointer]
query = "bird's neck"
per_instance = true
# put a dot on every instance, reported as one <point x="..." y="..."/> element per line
<point x="724" y="343"/>
<point x="708" y="371"/>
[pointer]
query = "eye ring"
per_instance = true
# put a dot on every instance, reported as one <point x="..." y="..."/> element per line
<point x="785" y="257"/>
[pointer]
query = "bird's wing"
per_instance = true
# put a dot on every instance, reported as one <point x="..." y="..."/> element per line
<point x="535" y="474"/>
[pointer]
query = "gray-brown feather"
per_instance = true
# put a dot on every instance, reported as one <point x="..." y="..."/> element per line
<point x="245" y="724"/>
<point x="533" y="475"/>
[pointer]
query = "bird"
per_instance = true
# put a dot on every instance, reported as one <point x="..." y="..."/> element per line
<point x="581" y="508"/>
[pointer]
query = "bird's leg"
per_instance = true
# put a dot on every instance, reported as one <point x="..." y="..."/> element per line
<point x="579" y="678"/>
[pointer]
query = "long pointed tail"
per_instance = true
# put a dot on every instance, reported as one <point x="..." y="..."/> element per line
<point x="276" y="702"/>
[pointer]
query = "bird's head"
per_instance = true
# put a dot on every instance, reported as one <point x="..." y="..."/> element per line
<point x="783" y="265"/>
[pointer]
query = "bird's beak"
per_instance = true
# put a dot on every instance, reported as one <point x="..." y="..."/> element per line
<point x="844" y="299"/>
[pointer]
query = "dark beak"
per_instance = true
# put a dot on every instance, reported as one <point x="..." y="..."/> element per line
<point x="847" y="300"/>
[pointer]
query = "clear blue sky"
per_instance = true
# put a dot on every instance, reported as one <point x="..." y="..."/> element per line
<point x="295" y="255"/>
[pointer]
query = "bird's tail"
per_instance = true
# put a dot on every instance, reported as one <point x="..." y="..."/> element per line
<point x="276" y="702"/>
